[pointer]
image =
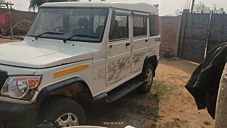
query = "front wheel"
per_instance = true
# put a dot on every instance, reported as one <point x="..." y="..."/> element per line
<point x="147" y="77"/>
<point x="63" y="111"/>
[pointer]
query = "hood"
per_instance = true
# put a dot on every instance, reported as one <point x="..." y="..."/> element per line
<point x="42" y="54"/>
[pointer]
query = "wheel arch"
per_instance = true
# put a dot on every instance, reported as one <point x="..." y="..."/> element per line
<point x="72" y="87"/>
<point x="152" y="59"/>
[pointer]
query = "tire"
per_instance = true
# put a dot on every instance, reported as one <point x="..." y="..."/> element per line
<point x="64" y="111"/>
<point x="147" y="76"/>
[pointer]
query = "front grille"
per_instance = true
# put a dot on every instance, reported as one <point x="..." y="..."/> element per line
<point x="3" y="76"/>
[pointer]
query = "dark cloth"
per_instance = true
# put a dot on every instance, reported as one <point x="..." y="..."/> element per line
<point x="204" y="82"/>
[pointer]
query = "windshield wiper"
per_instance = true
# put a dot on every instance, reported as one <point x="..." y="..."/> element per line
<point x="57" y="33"/>
<point x="80" y="35"/>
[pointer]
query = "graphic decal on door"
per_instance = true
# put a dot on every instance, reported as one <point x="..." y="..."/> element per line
<point x="137" y="57"/>
<point x="115" y="68"/>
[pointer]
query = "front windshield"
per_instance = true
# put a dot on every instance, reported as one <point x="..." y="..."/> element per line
<point x="80" y="24"/>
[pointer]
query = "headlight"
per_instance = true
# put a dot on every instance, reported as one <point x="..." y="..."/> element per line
<point x="22" y="87"/>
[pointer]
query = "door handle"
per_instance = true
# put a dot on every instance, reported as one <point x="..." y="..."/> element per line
<point x="146" y="40"/>
<point x="127" y="44"/>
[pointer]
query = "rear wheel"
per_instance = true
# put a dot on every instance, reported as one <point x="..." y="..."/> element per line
<point x="147" y="77"/>
<point x="64" y="111"/>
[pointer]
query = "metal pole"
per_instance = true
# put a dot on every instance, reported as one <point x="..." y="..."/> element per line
<point x="10" y="19"/>
<point x="193" y="2"/>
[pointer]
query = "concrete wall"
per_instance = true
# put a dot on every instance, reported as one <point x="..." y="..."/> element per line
<point x="170" y="29"/>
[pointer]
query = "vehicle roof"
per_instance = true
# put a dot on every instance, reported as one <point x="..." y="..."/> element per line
<point x="120" y="5"/>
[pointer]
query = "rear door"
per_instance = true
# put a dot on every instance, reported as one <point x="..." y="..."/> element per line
<point x="140" y="41"/>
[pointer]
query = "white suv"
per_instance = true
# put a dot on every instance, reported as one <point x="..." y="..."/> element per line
<point x="74" y="52"/>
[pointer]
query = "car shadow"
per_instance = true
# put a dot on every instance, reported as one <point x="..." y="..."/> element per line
<point x="134" y="109"/>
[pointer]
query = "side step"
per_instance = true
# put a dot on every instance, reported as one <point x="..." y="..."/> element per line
<point x="123" y="90"/>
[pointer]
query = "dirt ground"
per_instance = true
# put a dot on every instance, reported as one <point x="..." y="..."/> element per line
<point x="180" y="106"/>
<point x="6" y="40"/>
<point x="168" y="105"/>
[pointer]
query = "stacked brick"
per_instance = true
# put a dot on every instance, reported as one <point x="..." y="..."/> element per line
<point x="20" y="21"/>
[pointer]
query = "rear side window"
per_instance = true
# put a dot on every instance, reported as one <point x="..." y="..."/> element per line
<point x="119" y="28"/>
<point x="139" y="26"/>
<point x="154" y="25"/>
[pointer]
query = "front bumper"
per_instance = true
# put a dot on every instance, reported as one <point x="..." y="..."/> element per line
<point x="17" y="115"/>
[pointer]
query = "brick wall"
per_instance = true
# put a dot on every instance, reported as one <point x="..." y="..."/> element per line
<point x="20" y="21"/>
<point x="169" y="29"/>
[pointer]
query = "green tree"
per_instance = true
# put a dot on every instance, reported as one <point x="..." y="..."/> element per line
<point x="36" y="3"/>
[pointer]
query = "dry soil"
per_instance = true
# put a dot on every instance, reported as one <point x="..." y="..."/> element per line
<point x="168" y="105"/>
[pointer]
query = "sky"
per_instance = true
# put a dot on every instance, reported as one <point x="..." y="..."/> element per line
<point x="166" y="7"/>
